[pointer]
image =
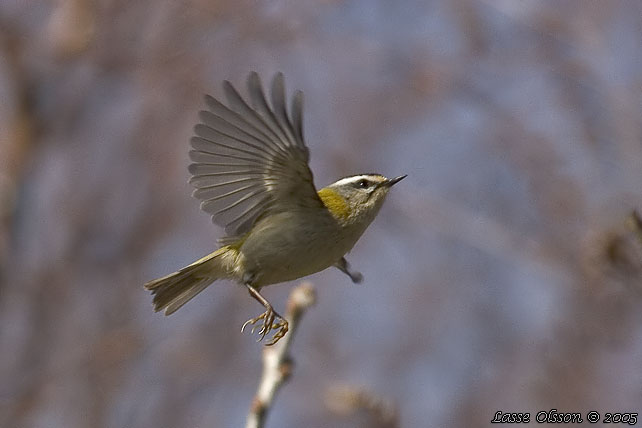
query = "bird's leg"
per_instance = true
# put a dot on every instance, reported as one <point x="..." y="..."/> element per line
<point x="344" y="267"/>
<point x="268" y="318"/>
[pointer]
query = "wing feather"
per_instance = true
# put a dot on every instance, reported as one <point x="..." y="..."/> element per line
<point x="261" y="106"/>
<point x="280" y="109"/>
<point x="203" y="156"/>
<point x="250" y="162"/>
<point x="297" y="119"/>
<point x="252" y="116"/>
<point x="250" y="125"/>
<point x="213" y="127"/>
<point x="212" y="193"/>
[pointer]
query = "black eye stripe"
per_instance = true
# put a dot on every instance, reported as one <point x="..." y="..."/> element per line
<point x="363" y="183"/>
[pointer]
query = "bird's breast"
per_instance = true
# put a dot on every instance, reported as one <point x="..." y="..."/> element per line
<point x="289" y="246"/>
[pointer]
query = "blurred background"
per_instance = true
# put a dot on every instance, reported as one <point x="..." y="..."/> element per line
<point x="503" y="274"/>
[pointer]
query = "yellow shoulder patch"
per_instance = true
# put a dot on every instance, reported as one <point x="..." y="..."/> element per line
<point x="335" y="203"/>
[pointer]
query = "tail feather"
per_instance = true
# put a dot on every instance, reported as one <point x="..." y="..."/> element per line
<point x="187" y="295"/>
<point x="171" y="292"/>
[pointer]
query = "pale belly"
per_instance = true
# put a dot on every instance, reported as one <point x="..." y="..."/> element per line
<point x="295" y="251"/>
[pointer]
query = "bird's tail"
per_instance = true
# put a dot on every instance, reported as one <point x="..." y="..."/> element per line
<point x="174" y="290"/>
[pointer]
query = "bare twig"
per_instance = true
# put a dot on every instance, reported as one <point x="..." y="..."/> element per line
<point x="277" y="362"/>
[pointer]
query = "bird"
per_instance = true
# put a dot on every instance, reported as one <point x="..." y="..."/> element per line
<point x="250" y="171"/>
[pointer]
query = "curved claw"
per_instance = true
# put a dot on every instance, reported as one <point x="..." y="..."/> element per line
<point x="282" y="329"/>
<point x="268" y="325"/>
<point x="252" y="321"/>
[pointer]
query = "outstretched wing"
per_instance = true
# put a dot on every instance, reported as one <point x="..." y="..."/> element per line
<point x="251" y="161"/>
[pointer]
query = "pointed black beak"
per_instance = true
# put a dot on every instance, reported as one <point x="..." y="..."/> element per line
<point x="395" y="180"/>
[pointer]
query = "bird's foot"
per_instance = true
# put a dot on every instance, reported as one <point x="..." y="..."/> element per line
<point x="356" y="277"/>
<point x="268" y="324"/>
<point x="344" y="267"/>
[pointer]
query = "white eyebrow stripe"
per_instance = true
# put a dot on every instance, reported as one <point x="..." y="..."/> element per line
<point x="356" y="178"/>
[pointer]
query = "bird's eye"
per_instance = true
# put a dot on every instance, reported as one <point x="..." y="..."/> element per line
<point x="364" y="184"/>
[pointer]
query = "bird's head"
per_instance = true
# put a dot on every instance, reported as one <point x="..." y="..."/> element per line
<point x="357" y="198"/>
